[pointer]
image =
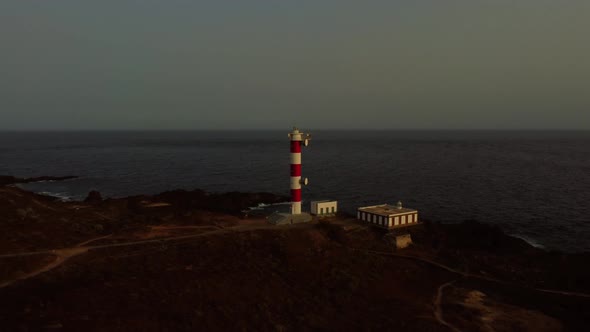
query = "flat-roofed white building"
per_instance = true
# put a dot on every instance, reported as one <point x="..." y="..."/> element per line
<point x="322" y="208"/>
<point x="388" y="216"/>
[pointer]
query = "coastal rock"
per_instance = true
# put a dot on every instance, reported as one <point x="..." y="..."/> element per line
<point x="7" y="180"/>
<point x="93" y="197"/>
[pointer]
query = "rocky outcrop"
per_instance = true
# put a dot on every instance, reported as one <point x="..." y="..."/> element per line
<point x="93" y="197"/>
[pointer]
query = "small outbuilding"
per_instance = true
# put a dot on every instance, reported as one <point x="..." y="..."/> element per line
<point x="324" y="208"/>
<point x="388" y="216"/>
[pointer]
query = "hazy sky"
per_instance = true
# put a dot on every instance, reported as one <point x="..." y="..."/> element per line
<point x="173" y="64"/>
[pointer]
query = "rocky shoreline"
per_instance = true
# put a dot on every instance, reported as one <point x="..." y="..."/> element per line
<point x="7" y="179"/>
<point x="186" y="260"/>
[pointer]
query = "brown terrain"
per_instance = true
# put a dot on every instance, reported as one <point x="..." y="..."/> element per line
<point x="192" y="261"/>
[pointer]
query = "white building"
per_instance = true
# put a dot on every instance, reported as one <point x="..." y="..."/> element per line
<point x="388" y="216"/>
<point x="322" y="208"/>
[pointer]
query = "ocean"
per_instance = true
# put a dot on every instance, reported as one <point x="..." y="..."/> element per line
<point x="533" y="184"/>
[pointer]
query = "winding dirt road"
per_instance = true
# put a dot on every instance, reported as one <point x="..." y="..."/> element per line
<point x="64" y="254"/>
<point x="475" y="276"/>
<point x="61" y="256"/>
<point x="438" y="313"/>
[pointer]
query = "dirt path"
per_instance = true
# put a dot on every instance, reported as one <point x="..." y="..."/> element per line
<point x="92" y="240"/>
<point x="171" y="227"/>
<point x="471" y="275"/>
<point x="438" y="314"/>
<point x="62" y="255"/>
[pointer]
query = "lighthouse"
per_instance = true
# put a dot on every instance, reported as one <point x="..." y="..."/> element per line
<point x="297" y="140"/>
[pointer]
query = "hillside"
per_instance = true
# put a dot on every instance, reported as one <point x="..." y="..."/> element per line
<point x="177" y="261"/>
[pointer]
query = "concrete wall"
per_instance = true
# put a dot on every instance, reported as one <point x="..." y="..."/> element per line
<point x="324" y="208"/>
<point x="388" y="221"/>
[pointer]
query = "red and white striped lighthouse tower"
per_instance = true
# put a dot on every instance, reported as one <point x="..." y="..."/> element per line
<point x="297" y="139"/>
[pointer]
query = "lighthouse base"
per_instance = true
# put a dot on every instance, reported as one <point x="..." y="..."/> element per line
<point x="288" y="219"/>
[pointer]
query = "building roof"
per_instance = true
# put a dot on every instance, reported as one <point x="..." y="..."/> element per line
<point x="324" y="201"/>
<point x="385" y="210"/>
